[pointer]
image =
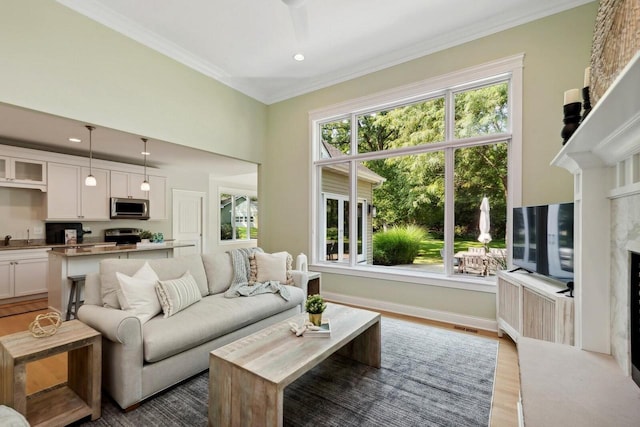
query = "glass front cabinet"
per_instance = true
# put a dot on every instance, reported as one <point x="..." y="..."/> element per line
<point x="17" y="172"/>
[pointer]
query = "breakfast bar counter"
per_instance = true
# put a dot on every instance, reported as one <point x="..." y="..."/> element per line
<point x="80" y="260"/>
<point x="81" y="251"/>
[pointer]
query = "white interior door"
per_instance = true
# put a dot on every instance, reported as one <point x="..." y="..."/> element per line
<point x="188" y="214"/>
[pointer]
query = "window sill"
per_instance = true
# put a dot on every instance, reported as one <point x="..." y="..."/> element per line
<point x="430" y="279"/>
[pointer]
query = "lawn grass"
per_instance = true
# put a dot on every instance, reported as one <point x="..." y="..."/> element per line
<point x="430" y="249"/>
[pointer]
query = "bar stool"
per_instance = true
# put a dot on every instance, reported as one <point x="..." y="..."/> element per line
<point x="74" y="295"/>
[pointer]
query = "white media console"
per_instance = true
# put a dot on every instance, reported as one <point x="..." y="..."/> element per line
<point x="530" y="306"/>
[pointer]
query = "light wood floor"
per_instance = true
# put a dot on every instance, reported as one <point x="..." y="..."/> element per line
<point x="53" y="370"/>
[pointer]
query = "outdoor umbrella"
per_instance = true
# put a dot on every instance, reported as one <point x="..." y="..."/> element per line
<point x="485" y="222"/>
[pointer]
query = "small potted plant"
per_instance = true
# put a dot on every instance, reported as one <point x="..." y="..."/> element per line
<point x="145" y="236"/>
<point x="315" y="305"/>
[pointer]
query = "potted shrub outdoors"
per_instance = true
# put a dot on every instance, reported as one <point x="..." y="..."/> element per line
<point x="315" y="305"/>
<point x="145" y="236"/>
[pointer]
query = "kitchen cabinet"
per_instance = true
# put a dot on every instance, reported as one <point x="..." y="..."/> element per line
<point x="157" y="197"/>
<point x="23" y="272"/>
<point x="68" y="197"/>
<point x="23" y="173"/>
<point x="127" y="185"/>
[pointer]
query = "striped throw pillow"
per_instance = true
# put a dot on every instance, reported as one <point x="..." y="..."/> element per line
<point x="177" y="294"/>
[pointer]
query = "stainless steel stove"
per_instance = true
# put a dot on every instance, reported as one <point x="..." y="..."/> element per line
<point x="122" y="236"/>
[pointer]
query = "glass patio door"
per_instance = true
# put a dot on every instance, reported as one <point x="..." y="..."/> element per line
<point x="336" y="235"/>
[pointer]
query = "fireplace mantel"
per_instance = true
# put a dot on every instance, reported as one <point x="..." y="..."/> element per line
<point x="611" y="132"/>
<point x="603" y="155"/>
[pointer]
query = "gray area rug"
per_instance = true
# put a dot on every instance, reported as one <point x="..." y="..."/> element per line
<point x="429" y="377"/>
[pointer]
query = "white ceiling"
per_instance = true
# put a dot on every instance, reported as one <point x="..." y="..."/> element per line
<point x="249" y="44"/>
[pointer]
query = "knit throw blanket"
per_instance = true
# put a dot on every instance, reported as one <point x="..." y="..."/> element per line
<point x="240" y="286"/>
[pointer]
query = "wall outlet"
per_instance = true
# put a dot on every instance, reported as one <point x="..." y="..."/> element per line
<point x="38" y="231"/>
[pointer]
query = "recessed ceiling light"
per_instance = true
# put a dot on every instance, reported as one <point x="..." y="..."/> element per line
<point x="298" y="57"/>
<point x="75" y="140"/>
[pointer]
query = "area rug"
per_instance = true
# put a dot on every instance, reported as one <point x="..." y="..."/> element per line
<point x="429" y="377"/>
<point x="23" y="307"/>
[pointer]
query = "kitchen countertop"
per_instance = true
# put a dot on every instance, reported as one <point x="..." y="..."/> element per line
<point x="101" y="250"/>
<point x="21" y="245"/>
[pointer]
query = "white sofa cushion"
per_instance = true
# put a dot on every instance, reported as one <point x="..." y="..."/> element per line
<point x="166" y="269"/>
<point x="219" y="271"/>
<point x="271" y="267"/>
<point x="209" y="318"/>
<point x="177" y="294"/>
<point x="138" y="293"/>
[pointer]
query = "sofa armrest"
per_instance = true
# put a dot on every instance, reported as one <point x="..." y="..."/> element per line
<point x="122" y="351"/>
<point x="115" y="325"/>
<point x="301" y="280"/>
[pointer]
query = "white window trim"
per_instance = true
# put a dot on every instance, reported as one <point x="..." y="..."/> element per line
<point x="458" y="80"/>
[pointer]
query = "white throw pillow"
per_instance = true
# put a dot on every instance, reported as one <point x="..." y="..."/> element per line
<point x="271" y="267"/>
<point x="177" y="294"/>
<point x="137" y="293"/>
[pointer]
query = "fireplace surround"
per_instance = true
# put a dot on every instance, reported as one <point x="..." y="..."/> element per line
<point x="604" y="157"/>
<point x="634" y="316"/>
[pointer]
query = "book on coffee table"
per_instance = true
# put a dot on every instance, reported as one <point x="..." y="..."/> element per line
<point x="323" y="332"/>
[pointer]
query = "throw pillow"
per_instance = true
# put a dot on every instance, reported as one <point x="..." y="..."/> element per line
<point x="137" y="293"/>
<point x="177" y="294"/>
<point x="271" y="267"/>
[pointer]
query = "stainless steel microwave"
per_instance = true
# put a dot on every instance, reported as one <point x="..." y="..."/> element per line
<point x="122" y="208"/>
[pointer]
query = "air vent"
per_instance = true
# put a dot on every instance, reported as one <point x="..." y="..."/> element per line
<point x="464" y="328"/>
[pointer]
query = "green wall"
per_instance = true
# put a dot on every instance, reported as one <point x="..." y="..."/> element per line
<point x="557" y="50"/>
<point x="55" y="60"/>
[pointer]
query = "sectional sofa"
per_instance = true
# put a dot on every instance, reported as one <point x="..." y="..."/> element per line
<point x="141" y="358"/>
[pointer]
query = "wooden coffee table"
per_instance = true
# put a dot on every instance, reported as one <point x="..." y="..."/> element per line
<point x="247" y="377"/>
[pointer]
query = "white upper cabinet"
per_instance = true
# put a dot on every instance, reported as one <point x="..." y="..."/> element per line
<point x="127" y="185"/>
<point x="157" y="197"/>
<point x="23" y="173"/>
<point x="68" y="198"/>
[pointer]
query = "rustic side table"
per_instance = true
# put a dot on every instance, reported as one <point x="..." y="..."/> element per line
<point x="313" y="286"/>
<point x="64" y="403"/>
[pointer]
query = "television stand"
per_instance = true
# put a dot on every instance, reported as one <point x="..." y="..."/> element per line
<point x="529" y="306"/>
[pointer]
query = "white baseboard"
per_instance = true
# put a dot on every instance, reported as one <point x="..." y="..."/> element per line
<point x="408" y="310"/>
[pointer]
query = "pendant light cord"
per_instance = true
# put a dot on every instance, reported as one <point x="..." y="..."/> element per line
<point x="91" y="128"/>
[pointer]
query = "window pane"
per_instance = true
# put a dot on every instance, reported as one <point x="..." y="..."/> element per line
<point x="241" y="217"/>
<point x="254" y="217"/>
<point x="482" y="111"/>
<point x="406" y="126"/>
<point x="226" y="211"/>
<point x="335" y="202"/>
<point x="335" y="138"/>
<point x="480" y="172"/>
<point x="408" y="197"/>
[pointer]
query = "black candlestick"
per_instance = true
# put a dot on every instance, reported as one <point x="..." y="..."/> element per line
<point x="586" y="106"/>
<point x="571" y="120"/>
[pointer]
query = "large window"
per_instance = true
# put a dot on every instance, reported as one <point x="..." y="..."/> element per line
<point x="402" y="184"/>
<point x="238" y="216"/>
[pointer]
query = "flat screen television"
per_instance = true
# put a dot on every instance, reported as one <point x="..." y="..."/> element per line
<point x="543" y="240"/>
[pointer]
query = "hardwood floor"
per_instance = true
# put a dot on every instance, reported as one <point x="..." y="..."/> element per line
<point x="53" y="370"/>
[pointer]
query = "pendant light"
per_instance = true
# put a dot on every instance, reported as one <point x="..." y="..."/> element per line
<point x="90" y="180"/>
<point x="145" y="184"/>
